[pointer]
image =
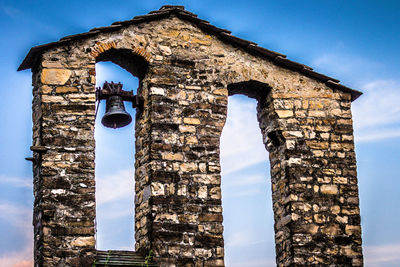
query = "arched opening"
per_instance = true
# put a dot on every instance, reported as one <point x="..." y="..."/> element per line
<point x="246" y="185"/>
<point x="115" y="160"/>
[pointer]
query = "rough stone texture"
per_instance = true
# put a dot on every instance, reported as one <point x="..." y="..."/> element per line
<point x="186" y="76"/>
<point x="64" y="185"/>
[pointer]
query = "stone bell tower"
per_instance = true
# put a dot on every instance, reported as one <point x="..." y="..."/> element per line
<point x="187" y="69"/>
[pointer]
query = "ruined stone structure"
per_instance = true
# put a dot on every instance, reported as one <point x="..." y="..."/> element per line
<point x="187" y="69"/>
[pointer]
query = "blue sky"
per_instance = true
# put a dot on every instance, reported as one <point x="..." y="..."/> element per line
<point x="354" y="41"/>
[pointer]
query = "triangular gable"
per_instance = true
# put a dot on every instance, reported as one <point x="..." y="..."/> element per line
<point x="222" y="34"/>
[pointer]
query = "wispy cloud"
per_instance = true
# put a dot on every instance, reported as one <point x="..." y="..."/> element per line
<point x="241" y="193"/>
<point x="22" y="258"/>
<point x="342" y="63"/>
<point x="254" y="263"/>
<point x="20" y="15"/>
<point x="12" y="12"/>
<point x="119" y="209"/>
<point x="115" y="186"/>
<point x="241" y="180"/>
<point x="241" y="140"/>
<point x="15" y="213"/>
<point x="243" y="239"/>
<point x="383" y="255"/>
<point x="16" y="181"/>
<point x="346" y="66"/>
<point x="242" y="149"/>
<point x="114" y="209"/>
<point x="377" y="112"/>
<point x="19" y="217"/>
<point x="23" y="263"/>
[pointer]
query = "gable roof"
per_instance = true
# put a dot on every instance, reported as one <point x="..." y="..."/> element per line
<point x="223" y="34"/>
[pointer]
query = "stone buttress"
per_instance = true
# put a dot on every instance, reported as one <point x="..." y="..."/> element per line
<point x="187" y="68"/>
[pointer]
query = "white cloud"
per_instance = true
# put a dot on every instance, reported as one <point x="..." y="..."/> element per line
<point x="115" y="186"/>
<point x="382" y="255"/>
<point x="20" y="15"/>
<point x="22" y="258"/>
<point x="376" y="113"/>
<point x="19" y="217"/>
<point x="241" y="148"/>
<point x="254" y="263"/>
<point x="251" y="156"/>
<point x="374" y="256"/>
<point x="345" y="66"/>
<point x="241" y="140"/>
<point x="376" y="135"/>
<point x="114" y="208"/>
<point x="12" y="12"/>
<point x="243" y="239"/>
<point x="241" y="193"/>
<point x="241" y="180"/>
<point x="16" y="214"/>
<point x="340" y="63"/>
<point x="120" y="209"/>
<point x="17" y="181"/>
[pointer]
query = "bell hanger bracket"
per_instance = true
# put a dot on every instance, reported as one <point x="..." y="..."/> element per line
<point x="112" y="89"/>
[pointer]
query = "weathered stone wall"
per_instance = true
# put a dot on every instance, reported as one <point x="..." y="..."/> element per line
<point x="313" y="174"/>
<point x="178" y="203"/>
<point x="63" y="141"/>
<point x="186" y="76"/>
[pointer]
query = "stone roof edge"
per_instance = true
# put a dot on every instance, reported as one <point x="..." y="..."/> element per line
<point x="223" y="34"/>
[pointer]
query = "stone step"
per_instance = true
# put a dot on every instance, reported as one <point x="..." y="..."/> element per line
<point x="121" y="258"/>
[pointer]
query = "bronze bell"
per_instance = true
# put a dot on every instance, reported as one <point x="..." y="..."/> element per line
<point x="116" y="116"/>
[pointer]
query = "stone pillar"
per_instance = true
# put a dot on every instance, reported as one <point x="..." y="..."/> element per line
<point x="313" y="171"/>
<point x="178" y="194"/>
<point x="63" y="145"/>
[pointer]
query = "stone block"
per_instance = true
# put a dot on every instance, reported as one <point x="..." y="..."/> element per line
<point x="157" y="91"/>
<point x="66" y="89"/>
<point x="329" y="189"/>
<point x="55" y="76"/>
<point x="52" y="99"/>
<point x="211" y="217"/>
<point x="188" y="167"/>
<point x="194" y="121"/>
<point x="45" y="89"/>
<point x="83" y="242"/>
<point x="165" y="50"/>
<point x="222" y="91"/>
<point x="172" y="156"/>
<point x="187" y="129"/>
<point x="52" y="64"/>
<point x="340" y="180"/>
<point x="330" y="230"/>
<point x="284" y="113"/>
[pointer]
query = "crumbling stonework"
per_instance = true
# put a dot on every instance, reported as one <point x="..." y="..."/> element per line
<point x="187" y="68"/>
